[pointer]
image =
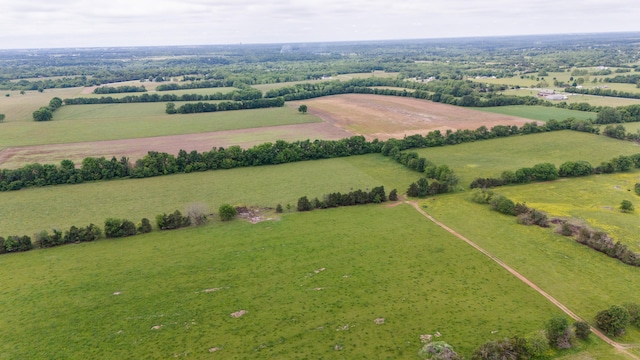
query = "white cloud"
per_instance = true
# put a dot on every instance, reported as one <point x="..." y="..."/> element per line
<point x="61" y="23"/>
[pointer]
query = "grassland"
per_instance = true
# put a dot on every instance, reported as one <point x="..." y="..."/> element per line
<point x="581" y="278"/>
<point x="595" y="199"/>
<point x="205" y="91"/>
<point x="127" y="121"/>
<point x="343" y="77"/>
<point x="26" y="212"/>
<point x="19" y="108"/>
<point x="312" y="285"/>
<point x="541" y="113"/>
<point x="491" y="158"/>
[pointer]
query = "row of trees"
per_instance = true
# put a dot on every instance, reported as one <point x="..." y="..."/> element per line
<point x="557" y="334"/>
<point x="118" y="89"/>
<point x="161" y="163"/>
<point x="45" y="113"/>
<point x="236" y="95"/>
<point x="196" y="85"/>
<point x="548" y="171"/>
<point x="624" y="79"/>
<point x="202" y="107"/>
<point x="113" y="228"/>
<point x="614" y="320"/>
<point x="604" y="92"/>
<point x="357" y="197"/>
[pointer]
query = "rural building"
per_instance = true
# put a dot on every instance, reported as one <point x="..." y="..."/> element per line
<point x="556" y="97"/>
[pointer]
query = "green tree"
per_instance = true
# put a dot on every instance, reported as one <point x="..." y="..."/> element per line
<point x="302" y="109"/>
<point x="393" y="195"/>
<point x="613" y="321"/>
<point x="636" y="188"/>
<point x="2" y="117"/>
<point x="279" y="209"/>
<point x="304" y="204"/>
<point x="144" y="226"/>
<point x="42" y="114"/>
<point x="582" y="329"/>
<point x="626" y="206"/>
<point x="558" y="332"/>
<point x="227" y="212"/>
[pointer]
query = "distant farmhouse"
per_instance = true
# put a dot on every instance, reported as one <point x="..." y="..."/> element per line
<point x="551" y="95"/>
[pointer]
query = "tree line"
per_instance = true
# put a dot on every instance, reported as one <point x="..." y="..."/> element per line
<point x="357" y="197"/>
<point x="548" y="171"/>
<point x="236" y="95"/>
<point x="624" y="79"/>
<point x="45" y="113"/>
<point x="161" y="163"/>
<point x="202" y="107"/>
<point x="113" y="228"/>
<point x="118" y="89"/>
<point x="196" y="85"/>
<point x="604" y="92"/>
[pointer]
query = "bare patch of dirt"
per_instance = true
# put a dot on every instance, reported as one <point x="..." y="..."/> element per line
<point x="238" y="314"/>
<point x="214" y="349"/>
<point x="384" y="117"/>
<point x="253" y="215"/>
<point x="15" y="157"/>
<point x="379" y="321"/>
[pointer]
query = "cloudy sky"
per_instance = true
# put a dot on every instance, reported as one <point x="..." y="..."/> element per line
<point x="88" y="23"/>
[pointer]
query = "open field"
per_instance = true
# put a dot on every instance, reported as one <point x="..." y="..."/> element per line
<point x="344" y="77"/>
<point x="149" y="85"/>
<point x="383" y="117"/>
<point x="581" y="278"/>
<point x="490" y="158"/>
<point x="15" y="157"/>
<point x="579" y="98"/>
<point x="20" y="108"/>
<point x="594" y="199"/>
<point x="83" y="123"/>
<point x="541" y="113"/>
<point x="264" y="186"/>
<point x="311" y="284"/>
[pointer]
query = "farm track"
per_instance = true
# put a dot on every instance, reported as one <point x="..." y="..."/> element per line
<point x="620" y="347"/>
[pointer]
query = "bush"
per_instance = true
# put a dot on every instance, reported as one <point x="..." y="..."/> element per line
<point x="481" y="196"/>
<point x="626" y="206"/>
<point x="582" y="330"/>
<point x="144" y="226"/>
<point x="634" y="313"/>
<point x="502" y="204"/>
<point x="613" y="321"/>
<point x="438" y="350"/>
<point x="393" y="195"/>
<point x="537" y="344"/>
<point x="558" y="332"/>
<point x="227" y="212"/>
<point x="637" y="188"/>
<point x="114" y="228"/>
<point x="514" y="348"/>
<point x="279" y="209"/>
<point x="172" y="221"/>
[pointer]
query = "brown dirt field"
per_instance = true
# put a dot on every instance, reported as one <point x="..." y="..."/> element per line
<point x="11" y="158"/>
<point x="384" y="117"/>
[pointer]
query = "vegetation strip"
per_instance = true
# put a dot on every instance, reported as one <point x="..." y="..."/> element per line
<point x="621" y="347"/>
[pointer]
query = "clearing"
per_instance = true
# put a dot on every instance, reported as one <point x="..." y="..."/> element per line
<point x="384" y="117"/>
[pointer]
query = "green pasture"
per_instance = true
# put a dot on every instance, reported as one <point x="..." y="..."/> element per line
<point x="585" y="280"/>
<point x="20" y="108"/>
<point x="81" y="123"/>
<point x="343" y="77"/>
<point x="541" y="113"/>
<point x="594" y="199"/>
<point x="311" y="284"/>
<point x="490" y="158"/>
<point x="30" y="210"/>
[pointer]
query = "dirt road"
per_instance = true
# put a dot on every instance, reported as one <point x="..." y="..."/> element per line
<point x="620" y="347"/>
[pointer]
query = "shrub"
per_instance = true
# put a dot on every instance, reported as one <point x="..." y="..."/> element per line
<point x="227" y="212"/>
<point x="438" y="350"/>
<point x="144" y="226"/>
<point x="634" y="313"/>
<point x="481" y="196"/>
<point x="514" y="348"/>
<point x="582" y="329"/>
<point x="637" y="188"/>
<point x="558" y="332"/>
<point x="172" y="221"/>
<point x="613" y="321"/>
<point x="304" y="204"/>
<point x="503" y="205"/>
<point x="113" y="228"/>
<point x="393" y="195"/>
<point x="626" y="206"/>
<point x="279" y="209"/>
<point x="537" y="344"/>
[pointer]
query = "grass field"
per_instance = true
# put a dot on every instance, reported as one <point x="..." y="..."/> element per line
<point x="266" y="186"/>
<point x="541" y="113"/>
<point x="127" y="121"/>
<point x="20" y="108"/>
<point x="312" y="285"/>
<point x="344" y="77"/>
<point x="490" y="158"/>
<point x="583" y="279"/>
<point x="594" y="199"/>
<point x="206" y="91"/>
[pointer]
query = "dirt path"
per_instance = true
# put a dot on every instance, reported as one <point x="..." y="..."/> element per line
<point x="621" y="347"/>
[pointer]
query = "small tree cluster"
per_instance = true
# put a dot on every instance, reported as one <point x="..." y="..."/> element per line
<point x="116" y="228"/>
<point x="73" y="235"/>
<point x="509" y="348"/>
<point x="626" y="206"/>
<point x="438" y="350"/>
<point x="172" y="221"/>
<point x="357" y="197"/>
<point x="558" y="332"/>
<point x="15" y="244"/>
<point x="613" y="320"/>
<point x="601" y="241"/>
<point x="423" y="188"/>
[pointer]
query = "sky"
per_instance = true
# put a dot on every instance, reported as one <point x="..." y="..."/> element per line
<point x="99" y="23"/>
